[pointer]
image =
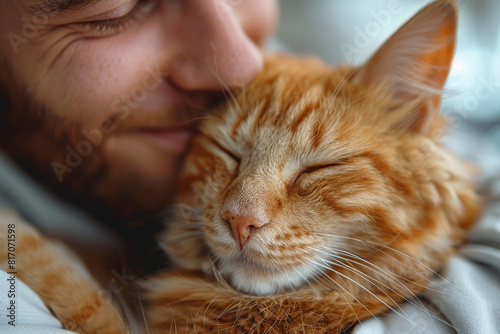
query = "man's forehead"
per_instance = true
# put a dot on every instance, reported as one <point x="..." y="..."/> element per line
<point x="55" y="6"/>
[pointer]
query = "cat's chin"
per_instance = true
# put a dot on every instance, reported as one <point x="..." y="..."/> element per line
<point x="260" y="280"/>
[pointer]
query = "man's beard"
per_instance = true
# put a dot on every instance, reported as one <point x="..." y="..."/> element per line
<point x="38" y="140"/>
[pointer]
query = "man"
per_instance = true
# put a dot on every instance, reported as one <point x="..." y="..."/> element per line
<point x="99" y="100"/>
<point x="101" y="94"/>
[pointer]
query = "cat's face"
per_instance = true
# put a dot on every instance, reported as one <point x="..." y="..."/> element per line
<point x="306" y="167"/>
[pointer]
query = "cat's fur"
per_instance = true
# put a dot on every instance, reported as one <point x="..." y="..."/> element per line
<point x="353" y="201"/>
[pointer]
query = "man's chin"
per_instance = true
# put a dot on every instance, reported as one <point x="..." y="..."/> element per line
<point x="120" y="178"/>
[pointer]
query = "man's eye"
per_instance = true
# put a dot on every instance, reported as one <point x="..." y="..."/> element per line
<point x="115" y="25"/>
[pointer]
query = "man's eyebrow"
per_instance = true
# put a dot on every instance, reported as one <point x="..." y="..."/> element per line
<point x="57" y="6"/>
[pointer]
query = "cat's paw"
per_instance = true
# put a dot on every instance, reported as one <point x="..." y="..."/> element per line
<point x="97" y="315"/>
<point x="58" y="277"/>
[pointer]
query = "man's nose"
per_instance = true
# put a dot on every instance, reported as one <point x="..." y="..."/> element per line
<point x="215" y="52"/>
<point x="242" y="227"/>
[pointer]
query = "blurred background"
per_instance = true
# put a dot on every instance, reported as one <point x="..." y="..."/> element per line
<point x="350" y="31"/>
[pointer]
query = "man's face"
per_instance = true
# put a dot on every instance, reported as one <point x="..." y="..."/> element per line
<point x="123" y="80"/>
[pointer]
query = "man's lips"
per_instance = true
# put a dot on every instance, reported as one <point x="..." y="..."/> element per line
<point x="172" y="140"/>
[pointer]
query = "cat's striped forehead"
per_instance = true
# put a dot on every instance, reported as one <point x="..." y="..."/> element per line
<point x="285" y="115"/>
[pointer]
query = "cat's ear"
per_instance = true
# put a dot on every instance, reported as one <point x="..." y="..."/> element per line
<point x="415" y="61"/>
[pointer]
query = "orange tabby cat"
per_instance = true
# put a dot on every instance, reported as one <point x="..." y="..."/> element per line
<point x="319" y="197"/>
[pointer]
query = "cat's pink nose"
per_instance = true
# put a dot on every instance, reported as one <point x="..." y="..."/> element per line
<point x="242" y="227"/>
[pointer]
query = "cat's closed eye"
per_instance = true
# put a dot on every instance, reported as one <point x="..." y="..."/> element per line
<point x="226" y="151"/>
<point x="315" y="170"/>
<point x="308" y="171"/>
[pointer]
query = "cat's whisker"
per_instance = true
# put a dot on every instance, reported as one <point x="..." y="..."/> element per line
<point x="201" y="118"/>
<point x="224" y="87"/>
<point x="282" y="273"/>
<point x="359" y="273"/>
<point x="354" y="256"/>
<point x="273" y="324"/>
<point x="391" y="274"/>
<point x="358" y="284"/>
<point x="305" y="278"/>
<point x="392" y="249"/>
<point x="334" y="253"/>
<point x="318" y="272"/>
<point x="259" y="324"/>
<point x="270" y="327"/>
<point x="239" y="310"/>
<point x="190" y="236"/>
<point x="194" y="237"/>
<point x="119" y="316"/>
<point x="208" y="307"/>
<point x="142" y="313"/>
<point x="323" y="274"/>
<point x="422" y="264"/>
<point x="218" y="275"/>
<point x="192" y="317"/>
<point x="411" y="258"/>
<point x="344" y="80"/>
<point x="193" y="230"/>
<point x="206" y="310"/>
<point x="375" y="268"/>
<point x="187" y="207"/>
<point x="372" y="279"/>
<point x="190" y="214"/>
<point x="239" y="313"/>
<point x="232" y="100"/>
<point x="173" y="323"/>
<point x="339" y="257"/>
<point x="224" y="312"/>
<point x="263" y="319"/>
<point x="403" y="316"/>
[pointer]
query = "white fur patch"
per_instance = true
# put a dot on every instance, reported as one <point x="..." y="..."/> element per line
<point x="257" y="280"/>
